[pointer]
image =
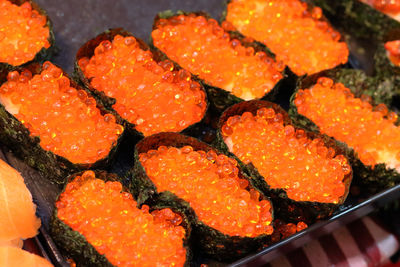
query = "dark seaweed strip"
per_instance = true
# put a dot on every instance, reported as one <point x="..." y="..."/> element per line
<point x="386" y="70"/>
<point x="358" y="19"/>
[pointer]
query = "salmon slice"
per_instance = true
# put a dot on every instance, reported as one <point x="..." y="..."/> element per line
<point x="17" y="210"/>
<point x="13" y="257"/>
<point x="18" y="243"/>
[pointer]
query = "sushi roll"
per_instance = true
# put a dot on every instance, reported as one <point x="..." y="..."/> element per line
<point x="52" y="124"/>
<point x="98" y="223"/>
<point x="231" y="67"/>
<point x="149" y="94"/>
<point x="230" y="217"/>
<point x="370" y="131"/>
<point x="306" y="174"/>
<point x="11" y="257"/>
<point x="26" y="34"/>
<point x="17" y="211"/>
<point x="358" y="19"/>
<point x="296" y="32"/>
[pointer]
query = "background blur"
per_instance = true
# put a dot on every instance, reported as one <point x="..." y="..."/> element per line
<point x="77" y="21"/>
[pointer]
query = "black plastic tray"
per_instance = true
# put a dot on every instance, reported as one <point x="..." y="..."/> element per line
<point x="75" y="22"/>
<point x="348" y="213"/>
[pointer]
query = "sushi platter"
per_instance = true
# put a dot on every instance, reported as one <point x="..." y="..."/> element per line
<point x="193" y="133"/>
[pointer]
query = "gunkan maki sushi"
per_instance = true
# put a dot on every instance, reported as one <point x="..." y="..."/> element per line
<point x="370" y="130"/>
<point x="53" y="124"/>
<point x="295" y="32"/>
<point x="98" y="223"/>
<point x="149" y="94"/>
<point x="222" y="61"/>
<point x="299" y="169"/>
<point x="230" y="217"/>
<point x="25" y="33"/>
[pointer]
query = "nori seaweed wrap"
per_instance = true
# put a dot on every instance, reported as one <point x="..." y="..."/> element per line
<point x="386" y="59"/>
<point x="231" y="67"/>
<point x="39" y="132"/>
<point x="358" y="19"/>
<point x="148" y="93"/>
<point x="231" y="235"/>
<point x="381" y="88"/>
<point x="369" y="173"/>
<point x="284" y="154"/>
<point x="96" y="242"/>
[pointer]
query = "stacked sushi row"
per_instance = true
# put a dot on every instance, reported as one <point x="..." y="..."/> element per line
<point x="25" y="37"/>
<point x="56" y="126"/>
<point x="183" y="194"/>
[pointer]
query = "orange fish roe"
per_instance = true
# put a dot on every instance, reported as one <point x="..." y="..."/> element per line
<point x="306" y="169"/>
<point x="201" y="46"/>
<point x="370" y="131"/>
<point x="153" y="96"/>
<point x="210" y="183"/>
<point x="283" y="230"/>
<point x="110" y="221"/>
<point x="66" y="119"/>
<point x="23" y="33"/>
<point x="393" y="51"/>
<point x="301" y="39"/>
